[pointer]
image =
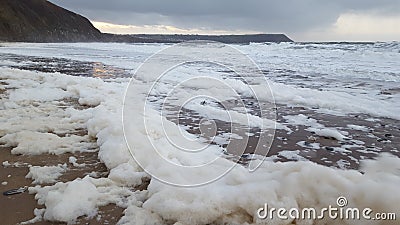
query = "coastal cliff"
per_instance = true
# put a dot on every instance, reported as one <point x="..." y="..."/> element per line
<point x="42" y="21"/>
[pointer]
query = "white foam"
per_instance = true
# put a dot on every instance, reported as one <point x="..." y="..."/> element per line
<point x="38" y="94"/>
<point x="301" y="119"/>
<point x="66" y="202"/>
<point x="305" y="144"/>
<point x="46" y="174"/>
<point x="328" y="132"/>
<point x="73" y="160"/>
<point x="292" y="155"/>
<point x="38" y="213"/>
<point x="357" y="127"/>
<point x="232" y="199"/>
<point x="35" y="143"/>
<point x="314" y="126"/>
<point x="333" y="100"/>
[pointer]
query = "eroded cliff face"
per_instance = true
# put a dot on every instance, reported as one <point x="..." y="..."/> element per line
<point x="42" y="21"/>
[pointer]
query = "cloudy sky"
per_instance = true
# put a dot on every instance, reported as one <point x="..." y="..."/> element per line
<point x="302" y="20"/>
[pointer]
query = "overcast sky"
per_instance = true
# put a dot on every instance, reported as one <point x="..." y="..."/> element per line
<point x="302" y="20"/>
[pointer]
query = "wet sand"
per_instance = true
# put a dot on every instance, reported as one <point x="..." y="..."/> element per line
<point x="13" y="169"/>
<point x="383" y="135"/>
<point x="20" y="206"/>
<point x="65" y="66"/>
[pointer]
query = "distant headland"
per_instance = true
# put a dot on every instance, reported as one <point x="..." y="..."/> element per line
<point x="43" y="21"/>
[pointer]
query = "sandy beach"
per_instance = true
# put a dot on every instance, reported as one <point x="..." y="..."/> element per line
<point x="62" y="138"/>
<point x="386" y="138"/>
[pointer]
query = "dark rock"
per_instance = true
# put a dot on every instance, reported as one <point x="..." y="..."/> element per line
<point x="42" y="21"/>
<point x="388" y="135"/>
<point x="382" y="140"/>
<point x="15" y="191"/>
<point x="329" y="148"/>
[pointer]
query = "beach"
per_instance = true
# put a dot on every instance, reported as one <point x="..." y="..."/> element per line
<point x="336" y="133"/>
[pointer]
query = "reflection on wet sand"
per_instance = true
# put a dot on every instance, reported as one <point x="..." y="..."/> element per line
<point x="65" y="66"/>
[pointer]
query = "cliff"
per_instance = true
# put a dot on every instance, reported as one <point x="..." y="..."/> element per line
<point x="174" y="38"/>
<point x="42" y="21"/>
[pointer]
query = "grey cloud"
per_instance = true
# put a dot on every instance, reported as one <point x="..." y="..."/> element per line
<point x="259" y="15"/>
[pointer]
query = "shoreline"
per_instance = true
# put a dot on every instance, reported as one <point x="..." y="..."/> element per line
<point x="364" y="139"/>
